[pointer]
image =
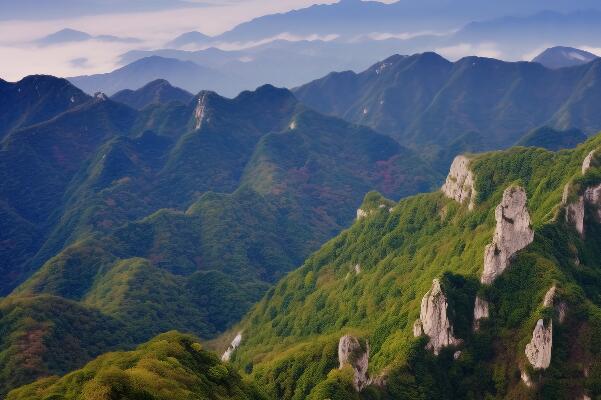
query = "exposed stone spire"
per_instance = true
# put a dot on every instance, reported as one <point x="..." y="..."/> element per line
<point x="586" y="164"/>
<point x="434" y="321"/>
<point x="200" y="110"/>
<point x="538" y="351"/>
<point x="591" y="197"/>
<point x="480" y="311"/>
<point x="460" y="182"/>
<point x="350" y="352"/>
<point x="232" y="347"/>
<point x="512" y="233"/>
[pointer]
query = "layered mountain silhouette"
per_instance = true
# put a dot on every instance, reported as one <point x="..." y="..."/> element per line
<point x="185" y="74"/>
<point x="68" y="35"/>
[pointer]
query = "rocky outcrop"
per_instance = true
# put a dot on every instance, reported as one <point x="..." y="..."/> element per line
<point x="434" y="321"/>
<point x="586" y="164"/>
<point x="550" y="297"/>
<point x="460" y="182"/>
<point x="200" y="111"/>
<point x="538" y="351"/>
<point x="560" y="308"/>
<point x="233" y="346"/>
<point x="591" y="197"/>
<point x="526" y="379"/>
<point x="574" y="211"/>
<point x="361" y="213"/>
<point x="480" y="311"/>
<point x="99" y="96"/>
<point x="351" y="352"/>
<point x="512" y="234"/>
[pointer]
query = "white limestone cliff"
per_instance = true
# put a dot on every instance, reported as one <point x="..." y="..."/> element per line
<point x="481" y="311"/>
<point x="200" y="111"/>
<point x="434" y="321"/>
<point x="550" y="297"/>
<point x="232" y="347"/>
<point x="512" y="234"/>
<point x="460" y="182"/>
<point x="575" y="211"/>
<point x="350" y="352"/>
<point x="586" y="164"/>
<point x="538" y="351"/>
<point x="560" y="308"/>
<point x="361" y="213"/>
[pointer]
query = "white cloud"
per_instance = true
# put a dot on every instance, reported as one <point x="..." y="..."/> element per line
<point x="461" y="50"/>
<point x="58" y="60"/>
<point x="282" y="36"/>
<point x="595" y="50"/>
<point x="20" y="58"/>
<point x="406" y="35"/>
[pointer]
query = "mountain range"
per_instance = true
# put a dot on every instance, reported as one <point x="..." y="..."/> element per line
<point x="71" y="35"/>
<point x="289" y="49"/>
<point x="126" y="223"/>
<point x="443" y="108"/>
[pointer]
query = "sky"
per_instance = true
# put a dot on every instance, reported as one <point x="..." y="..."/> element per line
<point x="20" y="57"/>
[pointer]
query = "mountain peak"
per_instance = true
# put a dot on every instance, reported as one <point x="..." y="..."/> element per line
<point x="562" y="56"/>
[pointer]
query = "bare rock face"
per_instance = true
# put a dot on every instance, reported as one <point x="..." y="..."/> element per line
<point x="480" y="311"/>
<point x="592" y="197"/>
<point x="526" y="379"/>
<point x="512" y="234"/>
<point x="550" y="297"/>
<point x="351" y="352"/>
<point x="418" y="328"/>
<point x="575" y="211"/>
<point x="538" y="351"/>
<point x="233" y="346"/>
<point x="586" y="164"/>
<point x="361" y="213"/>
<point x="460" y="182"/>
<point x="560" y="308"/>
<point x="433" y="320"/>
<point x="200" y="111"/>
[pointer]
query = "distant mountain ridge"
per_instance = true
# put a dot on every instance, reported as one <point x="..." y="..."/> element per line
<point x="446" y="108"/>
<point x="68" y="35"/>
<point x="156" y="92"/>
<point x="186" y="74"/>
<point x="35" y="99"/>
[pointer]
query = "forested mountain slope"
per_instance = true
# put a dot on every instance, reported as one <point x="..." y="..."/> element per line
<point x="171" y="366"/>
<point x="179" y="216"/>
<point x="488" y="288"/>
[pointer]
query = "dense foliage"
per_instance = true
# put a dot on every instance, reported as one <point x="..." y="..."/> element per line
<point x="399" y="253"/>
<point x="171" y="366"/>
<point x="180" y="216"/>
